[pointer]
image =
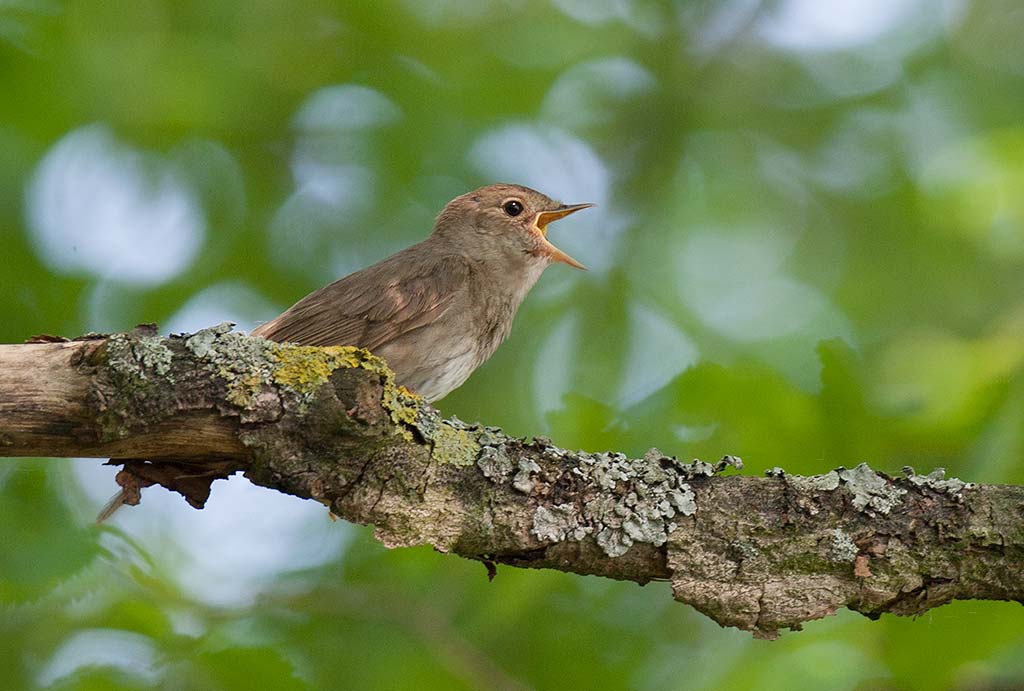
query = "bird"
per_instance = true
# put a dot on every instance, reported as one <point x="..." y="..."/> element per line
<point x="438" y="309"/>
<point x="434" y="311"/>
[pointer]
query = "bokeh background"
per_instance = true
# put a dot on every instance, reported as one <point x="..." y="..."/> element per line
<point x="808" y="252"/>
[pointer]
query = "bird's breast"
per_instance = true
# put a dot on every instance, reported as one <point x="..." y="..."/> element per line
<point x="448" y="376"/>
<point x="438" y="357"/>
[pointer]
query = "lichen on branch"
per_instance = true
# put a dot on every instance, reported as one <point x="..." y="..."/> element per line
<point x="758" y="553"/>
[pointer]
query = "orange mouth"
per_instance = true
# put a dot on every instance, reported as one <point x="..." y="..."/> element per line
<point x="541" y="225"/>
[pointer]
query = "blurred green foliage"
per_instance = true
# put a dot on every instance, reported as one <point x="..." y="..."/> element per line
<point x="809" y="251"/>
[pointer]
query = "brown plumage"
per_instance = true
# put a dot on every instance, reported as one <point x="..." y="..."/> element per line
<point x="437" y="310"/>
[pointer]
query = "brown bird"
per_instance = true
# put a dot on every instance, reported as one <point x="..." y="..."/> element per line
<point x="437" y="310"/>
<point x="434" y="311"/>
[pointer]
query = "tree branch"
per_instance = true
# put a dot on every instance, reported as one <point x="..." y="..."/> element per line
<point x="329" y="424"/>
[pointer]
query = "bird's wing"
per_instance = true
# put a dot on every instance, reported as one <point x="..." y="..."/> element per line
<point x="374" y="306"/>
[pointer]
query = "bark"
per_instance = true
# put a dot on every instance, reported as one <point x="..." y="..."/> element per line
<point x="757" y="553"/>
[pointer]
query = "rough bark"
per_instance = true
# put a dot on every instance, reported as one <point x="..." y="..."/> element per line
<point x="757" y="553"/>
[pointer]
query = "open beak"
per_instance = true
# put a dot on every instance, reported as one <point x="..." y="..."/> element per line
<point x="546" y="217"/>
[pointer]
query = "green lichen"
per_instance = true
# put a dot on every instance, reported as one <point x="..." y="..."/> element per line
<point x="241" y="389"/>
<point x="139" y="362"/>
<point x="403" y="405"/>
<point x="454" y="446"/>
<point x="305" y="368"/>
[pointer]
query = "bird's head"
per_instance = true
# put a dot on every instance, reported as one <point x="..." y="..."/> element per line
<point x="505" y="220"/>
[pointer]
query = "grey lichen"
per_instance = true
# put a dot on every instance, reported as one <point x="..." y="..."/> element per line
<point x="871" y="492"/>
<point x="807" y="484"/>
<point x="684" y="500"/>
<point x="697" y="467"/>
<point x="937" y="480"/>
<point x="636" y="500"/>
<point x="523" y="482"/>
<point x="494" y="462"/>
<point x="557" y="523"/>
<point x="154" y="355"/>
<point x="119" y="358"/>
<point x="137" y="385"/>
<point x="427" y="422"/>
<point x="814" y="483"/>
<point x="613" y="542"/>
<point x="135" y="359"/>
<point x="641" y="498"/>
<point x="241" y="362"/>
<point x="842" y="549"/>
<point x="490" y="436"/>
<point x="203" y="343"/>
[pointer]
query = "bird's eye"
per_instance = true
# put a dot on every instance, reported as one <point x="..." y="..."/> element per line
<point x="513" y="207"/>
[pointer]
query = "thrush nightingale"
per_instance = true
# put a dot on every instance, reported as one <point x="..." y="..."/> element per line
<point x="437" y="310"/>
<point x="434" y="311"/>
